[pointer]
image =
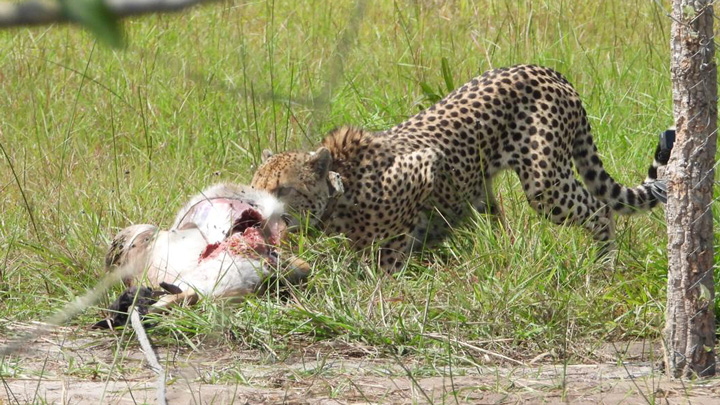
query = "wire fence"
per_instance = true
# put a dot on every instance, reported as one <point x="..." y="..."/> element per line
<point x="319" y="104"/>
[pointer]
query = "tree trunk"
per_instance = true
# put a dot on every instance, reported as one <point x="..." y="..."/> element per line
<point x="690" y="318"/>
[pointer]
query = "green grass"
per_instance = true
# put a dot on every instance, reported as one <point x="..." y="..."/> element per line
<point x="97" y="139"/>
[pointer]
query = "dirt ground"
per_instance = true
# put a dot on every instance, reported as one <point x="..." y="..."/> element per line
<point x="62" y="368"/>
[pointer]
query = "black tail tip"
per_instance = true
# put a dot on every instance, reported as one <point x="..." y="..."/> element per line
<point x="665" y="145"/>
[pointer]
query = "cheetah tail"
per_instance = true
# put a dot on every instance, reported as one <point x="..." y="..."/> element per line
<point x="621" y="199"/>
<point x="662" y="156"/>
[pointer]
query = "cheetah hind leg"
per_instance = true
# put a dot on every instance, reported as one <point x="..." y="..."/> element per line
<point x="599" y="222"/>
<point x="587" y="211"/>
<point x="601" y="226"/>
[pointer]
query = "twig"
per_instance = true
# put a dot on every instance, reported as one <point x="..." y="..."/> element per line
<point x="469" y="346"/>
<point x="67" y="312"/>
<point x="40" y="12"/>
<point x="22" y="192"/>
<point x="150" y="355"/>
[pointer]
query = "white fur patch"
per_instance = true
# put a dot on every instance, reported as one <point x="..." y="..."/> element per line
<point x="268" y="205"/>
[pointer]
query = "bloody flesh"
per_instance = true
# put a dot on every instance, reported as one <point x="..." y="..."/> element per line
<point x="246" y="240"/>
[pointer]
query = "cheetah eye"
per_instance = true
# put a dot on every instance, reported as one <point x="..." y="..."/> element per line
<point x="284" y="191"/>
<point x="287" y="218"/>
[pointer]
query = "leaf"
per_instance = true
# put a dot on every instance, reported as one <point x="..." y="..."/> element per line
<point x="704" y="293"/>
<point x="447" y="75"/>
<point x="689" y="12"/>
<point x="429" y="93"/>
<point x="96" y="17"/>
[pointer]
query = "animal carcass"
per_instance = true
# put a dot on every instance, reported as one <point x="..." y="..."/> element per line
<point x="223" y="243"/>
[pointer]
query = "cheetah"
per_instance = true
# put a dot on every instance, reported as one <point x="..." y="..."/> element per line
<point x="409" y="185"/>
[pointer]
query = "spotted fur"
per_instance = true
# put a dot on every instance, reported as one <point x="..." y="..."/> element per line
<point x="410" y="184"/>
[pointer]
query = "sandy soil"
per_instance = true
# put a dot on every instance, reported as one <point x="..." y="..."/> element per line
<point x="72" y="366"/>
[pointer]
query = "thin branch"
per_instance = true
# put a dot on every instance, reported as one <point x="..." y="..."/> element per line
<point x="41" y="12"/>
<point x="150" y="356"/>
<point x="442" y="338"/>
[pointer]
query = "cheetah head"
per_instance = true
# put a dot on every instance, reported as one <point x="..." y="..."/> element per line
<point x="301" y="180"/>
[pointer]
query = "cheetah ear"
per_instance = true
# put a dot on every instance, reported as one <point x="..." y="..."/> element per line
<point x="335" y="184"/>
<point x="266" y="154"/>
<point x="320" y="161"/>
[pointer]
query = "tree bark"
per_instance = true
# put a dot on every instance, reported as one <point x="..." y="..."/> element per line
<point x="690" y="319"/>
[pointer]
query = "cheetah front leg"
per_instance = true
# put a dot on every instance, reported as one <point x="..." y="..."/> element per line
<point x="415" y="172"/>
<point x="484" y="201"/>
<point x="393" y="255"/>
<point x="436" y="224"/>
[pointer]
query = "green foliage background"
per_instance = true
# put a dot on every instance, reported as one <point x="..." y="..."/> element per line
<point x="98" y="138"/>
